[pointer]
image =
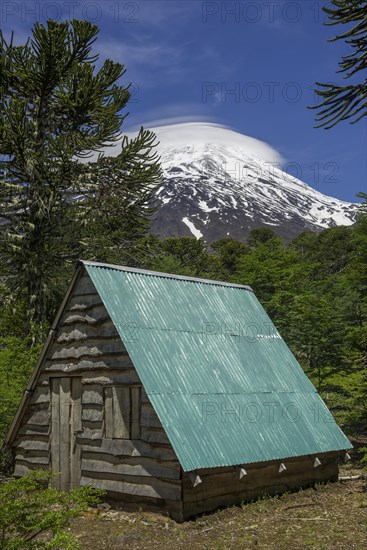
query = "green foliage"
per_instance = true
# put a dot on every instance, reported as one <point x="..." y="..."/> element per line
<point x="117" y="219"/>
<point x="316" y="332"/>
<point x="346" y="394"/>
<point x="228" y="252"/>
<point x="347" y="102"/>
<point x="270" y="268"/>
<point x="260" y="235"/>
<point x="56" y="108"/>
<point x="364" y="458"/>
<point x="183" y="256"/>
<point x="17" y="360"/>
<point x="35" y="516"/>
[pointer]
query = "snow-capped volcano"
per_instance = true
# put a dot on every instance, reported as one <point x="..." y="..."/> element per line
<point x="219" y="183"/>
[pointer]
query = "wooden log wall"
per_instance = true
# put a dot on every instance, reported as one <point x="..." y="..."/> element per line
<point x="223" y="486"/>
<point x="88" y="346"/>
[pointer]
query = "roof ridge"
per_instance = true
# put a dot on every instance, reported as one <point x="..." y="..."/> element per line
<point x="163" y="275"/>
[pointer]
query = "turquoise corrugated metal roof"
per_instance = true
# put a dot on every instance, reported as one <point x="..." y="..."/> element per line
<point x="224" y="384"/>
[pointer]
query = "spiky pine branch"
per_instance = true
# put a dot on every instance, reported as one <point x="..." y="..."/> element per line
<point x="347" y="102"/>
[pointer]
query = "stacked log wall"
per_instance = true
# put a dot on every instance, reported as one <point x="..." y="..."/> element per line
<point x="86" y="344"/>
<point x="224" y="487"/>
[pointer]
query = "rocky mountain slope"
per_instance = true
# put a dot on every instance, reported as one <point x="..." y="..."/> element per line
<point x="219" y="183"/>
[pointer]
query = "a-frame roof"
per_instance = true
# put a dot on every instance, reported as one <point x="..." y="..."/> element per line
<point x="222" y="381"/>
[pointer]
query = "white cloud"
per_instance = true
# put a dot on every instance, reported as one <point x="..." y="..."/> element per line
<point x="173" y="113"/>
<point x="142" y="54"/>
<point x="176" y="134"/>
<point x="200" y="133"/>
<point x="166" y="15"/>
<point x="144" y="61"/>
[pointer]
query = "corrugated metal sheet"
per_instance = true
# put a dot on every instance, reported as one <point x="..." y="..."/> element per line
<point x="223" y="382"/>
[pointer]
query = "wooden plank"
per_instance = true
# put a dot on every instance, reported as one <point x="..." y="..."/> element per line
<point x="41" y="395"/>
<point x="154" y="435"/>
<point x="83" y="307"/>
<point x="37" y="416"/>
<point x="55" y="431"/>
<point x="108" y="413"/>
<point x="119" y="373"/>
<point x="89" y="348"/>
<point x="31" y="429"/>
<point x="32" y="444"/>
<point x="94" y="427"/>
<point x="157" y="488"/>
<point x="122" y="448"/>
<point x="92" y="394"/>
<point x="76" y="430"/>
<point x="258" y="481"/>
<point x="135" y="412"/>
<point x="38" y="459"/>
<point x="21" y="470"/>
<point x="93" y="316"/>
<point x="78" y="320"/>
<point x="72" y="335"/>
<point x="193" y="508"/>
<point x="106" y="344"/>
<point x="212" y="486"/>
<point x="82" y="302"/>
<point x="64" y="420"/>
<point x="264" y="487"/>
<point x="121" y="412"/>
<point x="85" y="367"/>
<point x="149" y="417"/>
<point x="72" y="318"/>
<point x="93" y="432"/>
<point x="138" y="466"/>
<point x="80" y="332"/>
<point x="85" y="285"/>
<point x="92" y="413"/>
<point x="144" y="398"/>
<point x="45" y="406"/>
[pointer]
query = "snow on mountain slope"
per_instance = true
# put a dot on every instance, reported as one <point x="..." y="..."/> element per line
<point x="220" y="183"/>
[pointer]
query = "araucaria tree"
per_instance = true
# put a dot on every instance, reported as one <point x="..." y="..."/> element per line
<point x="56" y="109"/>
<point x="347" y="102"/>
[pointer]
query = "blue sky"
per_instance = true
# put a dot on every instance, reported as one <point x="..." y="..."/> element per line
<point x="250" y="65"/>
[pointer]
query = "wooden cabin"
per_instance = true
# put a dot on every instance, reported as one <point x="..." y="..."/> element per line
<point x="173" y="394"/>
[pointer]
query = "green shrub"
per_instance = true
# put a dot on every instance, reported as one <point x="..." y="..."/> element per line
<point x="32" y="515"/>
<point x="17" y="360"/>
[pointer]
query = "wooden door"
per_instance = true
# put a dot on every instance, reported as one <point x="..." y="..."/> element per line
<point x="66" y="426"/>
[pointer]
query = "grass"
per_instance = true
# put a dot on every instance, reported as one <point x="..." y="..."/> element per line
<point x="330" y="516"/>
